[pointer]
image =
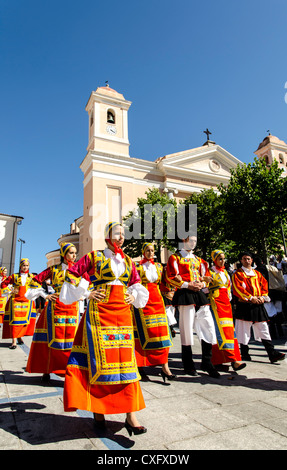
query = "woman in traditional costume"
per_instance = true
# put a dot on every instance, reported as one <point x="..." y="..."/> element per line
<point x="4" y="293"/>
<point x="20" y="313"/>
<point x="102" y="375"/>
<point x="227" y="349"/>
<point x="56" y="327"/>
<point x="152" y="333"/>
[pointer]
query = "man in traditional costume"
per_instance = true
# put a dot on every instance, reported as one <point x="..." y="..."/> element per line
<point x="193" y="305"/>
<point x="102" y="374"/>
<point x="251" y="289"/>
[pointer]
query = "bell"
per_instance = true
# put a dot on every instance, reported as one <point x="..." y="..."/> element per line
<point x="111" y="118"/>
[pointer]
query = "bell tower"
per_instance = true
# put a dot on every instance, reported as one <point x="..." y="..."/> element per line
<point x="272" y="148"/>
<point x="108" y="122"/>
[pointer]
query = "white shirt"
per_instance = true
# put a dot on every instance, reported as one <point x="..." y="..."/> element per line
<point x="248" y="272"/>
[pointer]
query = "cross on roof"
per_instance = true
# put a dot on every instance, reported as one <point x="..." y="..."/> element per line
<point x="208" y="133"/>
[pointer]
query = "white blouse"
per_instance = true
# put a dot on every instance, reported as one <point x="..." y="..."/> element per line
<point x="23" y="278"/>
<point x="221" y="274"/>
<point x="34" y="293"/>
<point x="70" y="293"/>
<point x="150" y="271"/>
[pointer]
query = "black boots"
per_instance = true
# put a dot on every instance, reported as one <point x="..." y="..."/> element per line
<point x="187" y="361"/>
<point x="244" y="351"/>
<point x="206" y="365"/>
<point x="273" y="355"/>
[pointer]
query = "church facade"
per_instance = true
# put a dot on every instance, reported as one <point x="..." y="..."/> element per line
<point x="113" y="180"/>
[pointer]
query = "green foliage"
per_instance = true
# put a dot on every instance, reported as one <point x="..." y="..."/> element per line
<point x="254" y="205"/>
<point x="209" y="221"/>
<point x="151" y="222"/>
<point x="247" y="214"/>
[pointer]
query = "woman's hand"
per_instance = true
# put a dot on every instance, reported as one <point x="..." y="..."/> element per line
<point x="169" y="295"/>
<point x="129" y="298"/>
<point x="97" y="295"/>
<point x="52" y="297"/>
<point x="206" y="279"/>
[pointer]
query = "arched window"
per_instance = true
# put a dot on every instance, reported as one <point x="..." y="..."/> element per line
<point x="281" y="158"/>
<point x="111" y="117"/>
<point x="266" y="158"/>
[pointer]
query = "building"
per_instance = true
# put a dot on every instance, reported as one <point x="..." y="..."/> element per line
<point x="273" y="149"/>
<point x="113" y="180"/>
<point x="8" y="237"/>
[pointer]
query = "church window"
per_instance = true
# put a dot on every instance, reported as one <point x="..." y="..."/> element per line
<point x="111" y="118"/>
<point x="281" y="158"/>
<point x="91" y="119"/>
<point x="114" y="199"/>
<point x="266" y="158"/>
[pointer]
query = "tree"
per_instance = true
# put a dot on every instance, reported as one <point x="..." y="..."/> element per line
<point x="254" y="207"/>
<point x="209" y="221"/>
<point x="153" y="221"/>
<point x="247" y="214"/>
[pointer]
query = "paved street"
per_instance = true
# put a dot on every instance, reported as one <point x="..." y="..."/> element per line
<point x="244" y="411"/>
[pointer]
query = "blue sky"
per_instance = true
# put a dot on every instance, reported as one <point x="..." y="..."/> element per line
<point x="185" y="66"/>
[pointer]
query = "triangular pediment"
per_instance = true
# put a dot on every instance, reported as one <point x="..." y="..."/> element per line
<point x="206" y="160"/>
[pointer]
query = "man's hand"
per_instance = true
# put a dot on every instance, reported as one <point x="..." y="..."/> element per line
<point x="195" y="286"/>
<point x="257" y="300"/>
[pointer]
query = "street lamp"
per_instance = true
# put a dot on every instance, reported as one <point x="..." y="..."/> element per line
<point x="21" y="241"/>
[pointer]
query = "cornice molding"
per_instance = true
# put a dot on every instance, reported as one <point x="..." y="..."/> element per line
<point x="108" y="100"/>
<point x="197" y="154"/>
<point x="121" y="178"/>
<point x="118" y="161"/>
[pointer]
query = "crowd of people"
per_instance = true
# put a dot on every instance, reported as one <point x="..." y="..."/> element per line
<point x="130" y="318"/>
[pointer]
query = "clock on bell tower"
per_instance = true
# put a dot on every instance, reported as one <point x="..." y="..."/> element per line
<point x="108" y="122"/>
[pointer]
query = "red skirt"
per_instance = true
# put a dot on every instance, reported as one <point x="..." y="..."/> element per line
<point x="226" y="349"/>
<point x="101" y="374"/>
<point x="20" y="316"/>
<point x="53" y="339"/>
<point x="152" y="334"/>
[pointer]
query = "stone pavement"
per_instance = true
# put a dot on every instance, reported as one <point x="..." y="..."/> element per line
<point x="240" y="411"/>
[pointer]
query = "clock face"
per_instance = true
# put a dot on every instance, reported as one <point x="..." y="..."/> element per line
<point x="112" y="130"/>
